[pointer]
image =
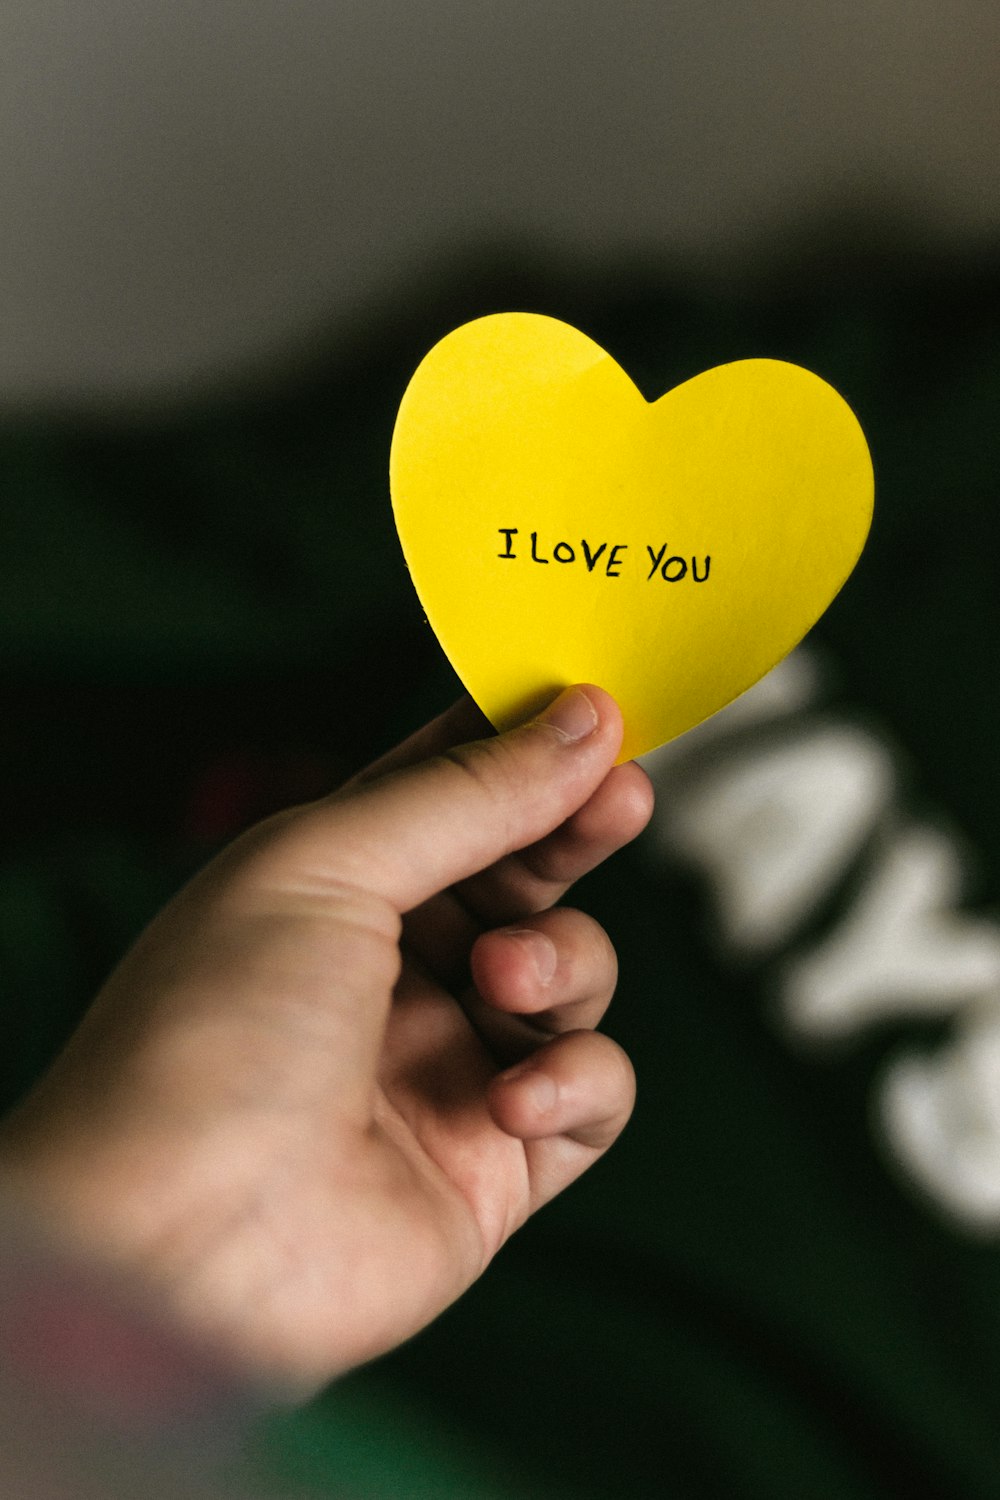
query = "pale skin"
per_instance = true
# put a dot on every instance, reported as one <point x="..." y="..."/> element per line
<point x="355" y="1053"/>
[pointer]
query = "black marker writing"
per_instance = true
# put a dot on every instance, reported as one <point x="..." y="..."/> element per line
<point x="613" y="558"/>
<point x="672" y="569"/>
<point x="590" y="558"/>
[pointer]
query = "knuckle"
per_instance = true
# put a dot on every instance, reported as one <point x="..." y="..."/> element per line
<point x="602" y="950"/>
<point x="588" y="942"/>
<point x="611" y="1094"/>
<point x="490" y="766"/>
<point x="620" y="1077"/>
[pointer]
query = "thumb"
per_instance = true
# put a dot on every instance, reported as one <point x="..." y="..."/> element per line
<point x="415" y="831"/>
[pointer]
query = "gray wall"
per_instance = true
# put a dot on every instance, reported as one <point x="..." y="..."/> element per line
<point x="187" y="186"/>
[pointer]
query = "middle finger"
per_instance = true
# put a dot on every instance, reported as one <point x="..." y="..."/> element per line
<point x="555" y="973"/>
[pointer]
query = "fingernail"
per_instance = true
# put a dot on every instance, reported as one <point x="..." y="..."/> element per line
<point x="542" y="951"/>
<point x="540" y="1091"/>
<point x="572" y="715"/>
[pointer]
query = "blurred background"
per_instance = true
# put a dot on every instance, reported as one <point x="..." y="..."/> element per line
<point x="228" y="233"/>
<point x="191" y="189"/>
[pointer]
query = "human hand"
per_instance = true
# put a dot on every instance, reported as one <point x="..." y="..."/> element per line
<point x="292" y="1111"/>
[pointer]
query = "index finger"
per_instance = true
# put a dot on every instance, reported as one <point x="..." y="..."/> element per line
<point x="412" y="832"/>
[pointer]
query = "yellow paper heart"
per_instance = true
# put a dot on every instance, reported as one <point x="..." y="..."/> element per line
<point x="560" y="528"/>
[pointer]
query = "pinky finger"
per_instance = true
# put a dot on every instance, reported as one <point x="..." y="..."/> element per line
<point x="580" y="1086"/>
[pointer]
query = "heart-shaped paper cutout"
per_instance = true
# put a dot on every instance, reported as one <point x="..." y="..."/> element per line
<point x="560" y="528"/>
